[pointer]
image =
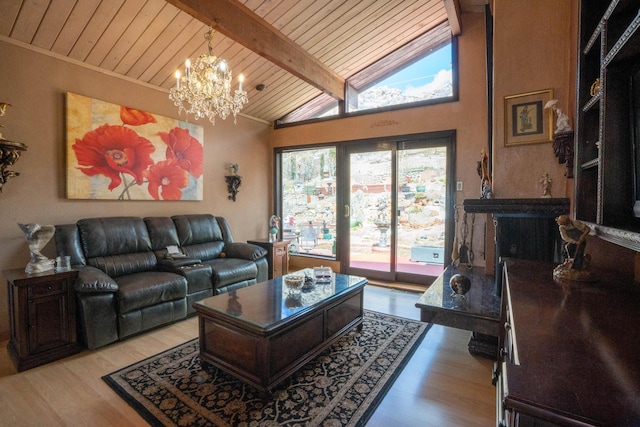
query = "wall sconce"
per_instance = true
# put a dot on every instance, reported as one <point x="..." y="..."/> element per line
<point x="9" y="153"/>
<point x="234" y="181"/>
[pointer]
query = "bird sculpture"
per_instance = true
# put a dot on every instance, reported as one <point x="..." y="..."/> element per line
<point x="37" y="238"/>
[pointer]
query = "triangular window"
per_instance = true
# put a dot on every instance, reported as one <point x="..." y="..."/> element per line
<point x="422" y="71"/>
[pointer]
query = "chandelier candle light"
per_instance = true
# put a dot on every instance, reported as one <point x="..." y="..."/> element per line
<point x="205" y="89"/>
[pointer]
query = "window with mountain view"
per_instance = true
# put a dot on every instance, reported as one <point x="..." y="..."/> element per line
<point x="426" y="79"/>
<point x="421" y="72"/>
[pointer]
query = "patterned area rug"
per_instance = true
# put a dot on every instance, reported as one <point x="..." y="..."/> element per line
<point x="340" y="387"/>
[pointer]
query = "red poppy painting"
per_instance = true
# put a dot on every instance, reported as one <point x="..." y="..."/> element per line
<point x="118" y="152"/>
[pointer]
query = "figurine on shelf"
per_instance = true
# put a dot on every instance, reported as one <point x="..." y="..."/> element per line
<point x="545" y="181"/>
<point x="274" y="227"/>
<point x="577" y="264"/>
<point x="562" y="121"/>
<point x="37" y="238"/>
<point x="483" y="172"/>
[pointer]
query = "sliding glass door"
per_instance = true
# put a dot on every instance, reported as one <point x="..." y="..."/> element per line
<point x="398" y="209"/>
<point x="383" y="209"/>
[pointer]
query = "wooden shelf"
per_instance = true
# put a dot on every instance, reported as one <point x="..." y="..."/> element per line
<point x="607" y="173"/>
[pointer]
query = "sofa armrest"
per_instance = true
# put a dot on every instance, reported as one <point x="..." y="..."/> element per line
<point x="244" y="251"/>
<point x="94" y="280"/>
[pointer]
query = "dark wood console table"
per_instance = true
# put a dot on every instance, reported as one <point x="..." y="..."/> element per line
<point x="478" y="312"/>
<point x="570" y="351"/>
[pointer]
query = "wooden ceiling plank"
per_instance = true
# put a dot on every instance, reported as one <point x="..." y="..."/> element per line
<point x="165" y="47"/>
<point x="52" y="23"/>
<point x="113" y="31"/>
<point x="339" y="29"/>
<point x="79" y="21"/>
<point x="240" y="24"/>
<point x="367" y="53"/>
<point x="147" y="42"/>
<point x="294" y="15"/>
<point x="349" y="30"/>
<point x="135" y="26"/>
<point x="193" y="42"/>
<point x="288" y="90"/>
<point x="365" y="31"/>
<point x="29" y="18"/>
<point x="359" y="56"/>
<point x="264" y="8"/>
<point x="324" y="20"/>
<point x="95" y="29"/>
<point x="453" y="14"/>
<point x="9" y="11"/>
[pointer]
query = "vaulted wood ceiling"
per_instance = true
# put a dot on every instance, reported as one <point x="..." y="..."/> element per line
<point x="148" y="40"/>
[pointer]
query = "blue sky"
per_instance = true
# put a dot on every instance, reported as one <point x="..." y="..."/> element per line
<point x="421" y="72"/>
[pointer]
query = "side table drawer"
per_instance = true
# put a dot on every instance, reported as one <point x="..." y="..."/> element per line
<point x="48" y="289"/>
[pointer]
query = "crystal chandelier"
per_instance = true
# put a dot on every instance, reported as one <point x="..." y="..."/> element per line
<point x="205" y="89"/>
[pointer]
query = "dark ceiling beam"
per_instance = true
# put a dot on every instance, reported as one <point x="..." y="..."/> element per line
<point x="453" y="14"/>
<point x="239" y="23"/>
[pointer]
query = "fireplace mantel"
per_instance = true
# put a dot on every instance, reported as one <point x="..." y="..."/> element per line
<point x="524" y="228"/>
<point x="543" y="207"/>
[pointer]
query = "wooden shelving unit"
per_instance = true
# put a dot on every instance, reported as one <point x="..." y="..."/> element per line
<point x="607" y="175"/>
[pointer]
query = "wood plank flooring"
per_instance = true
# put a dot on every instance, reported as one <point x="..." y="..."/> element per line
<point x="442" y="384"/>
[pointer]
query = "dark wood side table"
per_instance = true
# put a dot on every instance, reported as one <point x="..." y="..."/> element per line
<point x="277" y="257"/>
<point x="41" y="316"/>
<point x="478" y="311"/>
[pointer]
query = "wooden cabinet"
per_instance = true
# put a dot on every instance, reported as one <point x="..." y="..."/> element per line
<point x="277" y="256"/>
<point x="607" y="150"/>
<point x="569" y="351"/>
<point x="42" y="317"/>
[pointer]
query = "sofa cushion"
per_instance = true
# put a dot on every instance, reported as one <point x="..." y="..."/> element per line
<point x="103" y="237"/>
<point x="231" y="270"/>
<point x="162" y="233"/>
<point x="197" y="228"/>
<point x="141" y="290"/>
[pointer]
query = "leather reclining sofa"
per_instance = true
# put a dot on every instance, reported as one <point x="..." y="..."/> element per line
<point x="127" y="281"/>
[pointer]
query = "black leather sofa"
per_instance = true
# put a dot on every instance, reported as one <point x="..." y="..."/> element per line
<point x="129" y="283"/>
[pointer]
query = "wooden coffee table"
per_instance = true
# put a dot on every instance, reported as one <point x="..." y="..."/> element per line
<point x="261" y="335"/>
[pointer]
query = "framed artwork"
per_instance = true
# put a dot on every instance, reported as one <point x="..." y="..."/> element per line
<point x="115" y="152"/>
<point x="525" y="120"/>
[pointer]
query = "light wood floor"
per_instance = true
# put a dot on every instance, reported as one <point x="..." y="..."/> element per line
<point x="442" y="385"/>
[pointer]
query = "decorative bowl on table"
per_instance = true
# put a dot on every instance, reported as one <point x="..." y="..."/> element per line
<point x="294" y="283"/>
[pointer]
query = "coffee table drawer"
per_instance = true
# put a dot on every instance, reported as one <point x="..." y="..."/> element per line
<point x="290" y="346"/>
<point x="342" y="315"/>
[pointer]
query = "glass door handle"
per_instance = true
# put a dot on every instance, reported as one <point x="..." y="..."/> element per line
<point x="347" y="211"/>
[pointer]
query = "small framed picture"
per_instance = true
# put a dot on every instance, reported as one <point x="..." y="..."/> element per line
<point x="525" y="119"/>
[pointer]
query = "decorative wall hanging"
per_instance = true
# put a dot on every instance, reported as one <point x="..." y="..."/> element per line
<point x="119" y="153"/>
<point x="525" y="119"/>
<point x="234" y="181"/>
<point x="9" y="153"/>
